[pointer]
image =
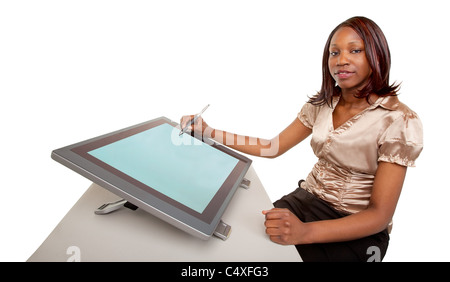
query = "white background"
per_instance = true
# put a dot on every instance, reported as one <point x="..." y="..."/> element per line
<point x="71" y="70"/>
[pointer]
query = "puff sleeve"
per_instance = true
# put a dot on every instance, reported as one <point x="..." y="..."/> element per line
<point x="402" y="142"/>
<point x="308" y="114"/>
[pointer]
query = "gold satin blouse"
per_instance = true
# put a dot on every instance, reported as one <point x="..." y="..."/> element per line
<point x="385" y="131"/>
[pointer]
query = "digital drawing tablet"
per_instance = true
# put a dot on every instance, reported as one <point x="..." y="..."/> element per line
<point x="180" y="179"/>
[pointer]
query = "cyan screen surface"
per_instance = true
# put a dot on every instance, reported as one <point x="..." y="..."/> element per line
<point x="180" y="167"/>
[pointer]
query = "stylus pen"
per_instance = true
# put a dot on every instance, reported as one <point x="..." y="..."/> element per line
<point x="192" y="121"/>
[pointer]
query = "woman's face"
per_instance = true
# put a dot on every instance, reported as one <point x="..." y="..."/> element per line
<point x="347" y="61"/>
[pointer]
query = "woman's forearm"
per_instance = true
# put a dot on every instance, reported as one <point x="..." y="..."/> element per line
<point x="245" y="144"/>
<point x="359" y="225"/>
<point x="268" y="148"/>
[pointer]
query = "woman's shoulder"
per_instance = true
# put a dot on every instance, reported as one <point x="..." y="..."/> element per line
<point x="309" y="113"/>
<point x="397" y="107"/>
<point x="406" y="111"/>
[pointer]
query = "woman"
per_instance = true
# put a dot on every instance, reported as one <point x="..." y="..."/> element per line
<point x="364" y="138"/>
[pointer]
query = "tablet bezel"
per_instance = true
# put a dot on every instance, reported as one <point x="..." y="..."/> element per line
<point x="201" y="225"/>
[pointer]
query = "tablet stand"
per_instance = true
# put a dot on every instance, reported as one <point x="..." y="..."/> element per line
<point x="110" y="207"/>
<point x="222" y="231"/>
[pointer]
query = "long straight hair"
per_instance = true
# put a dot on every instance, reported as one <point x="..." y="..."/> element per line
<point x="378" y="56"/>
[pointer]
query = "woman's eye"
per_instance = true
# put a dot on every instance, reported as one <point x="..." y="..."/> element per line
<point x="356" y="51"/>
<point x="333" y="53"/>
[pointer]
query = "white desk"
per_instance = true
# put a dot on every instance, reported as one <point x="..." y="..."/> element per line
<point x="126" y="235"/>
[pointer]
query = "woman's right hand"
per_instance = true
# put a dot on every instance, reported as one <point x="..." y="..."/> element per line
<point x="198" y="127"/>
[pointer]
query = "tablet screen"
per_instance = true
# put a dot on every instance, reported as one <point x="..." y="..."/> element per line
<point x="180" y="167"/>
<point x="179" y="179"/>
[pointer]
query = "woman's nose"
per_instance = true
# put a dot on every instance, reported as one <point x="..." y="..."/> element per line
<point x="342" y="59"/>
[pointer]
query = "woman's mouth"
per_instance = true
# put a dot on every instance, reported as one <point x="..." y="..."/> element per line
<point x="342" y="74"/>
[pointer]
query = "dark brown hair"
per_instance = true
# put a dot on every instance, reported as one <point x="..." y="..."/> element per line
<point x="378" y="56"/>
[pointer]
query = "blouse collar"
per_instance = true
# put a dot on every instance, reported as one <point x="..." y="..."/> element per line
<point x="387" y="102"/>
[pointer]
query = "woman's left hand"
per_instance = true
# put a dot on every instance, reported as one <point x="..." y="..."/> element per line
<point x="283" y="227"/>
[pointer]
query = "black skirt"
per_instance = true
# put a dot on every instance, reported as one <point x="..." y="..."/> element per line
<point x="308" y="208"/>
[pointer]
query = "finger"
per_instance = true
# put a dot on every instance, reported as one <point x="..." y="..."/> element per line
<point x="274" y="238"/>
<point x="273" y="231"/>
<point x="274" y="210"/>
<point x="278" y="239"/>
<point x="278" y="235"/>
<point x="277" y="214"/>
<point x="275" y="223"/>
<point x="185" y="120"/>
